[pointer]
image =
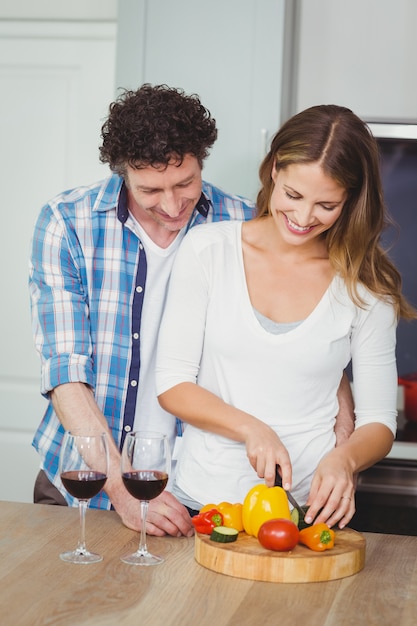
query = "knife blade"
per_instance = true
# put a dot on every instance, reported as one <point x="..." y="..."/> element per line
<point x="291" y="499"/>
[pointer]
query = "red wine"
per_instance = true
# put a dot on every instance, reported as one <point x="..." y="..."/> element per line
<point x="83" y="484"/>
<point x="145" y="484"/>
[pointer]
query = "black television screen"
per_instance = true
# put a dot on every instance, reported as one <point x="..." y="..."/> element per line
<point x="398" y="152"/>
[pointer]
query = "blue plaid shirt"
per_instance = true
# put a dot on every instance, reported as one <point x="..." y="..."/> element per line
<point x="87" y="285"/>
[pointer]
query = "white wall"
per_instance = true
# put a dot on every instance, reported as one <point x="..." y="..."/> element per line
<point x="94" y="10"/>
<point x="359" y="53"/>
<point x="245" y="60"/>
<point x="230" y="53"/>
<point x="56" y="80"/>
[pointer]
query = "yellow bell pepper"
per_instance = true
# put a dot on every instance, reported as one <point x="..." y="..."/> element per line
<point x="261" y="504"/>
<point x="232" y="514"/>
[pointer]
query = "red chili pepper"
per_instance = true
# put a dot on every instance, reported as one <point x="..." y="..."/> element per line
<point x="205" y="522"/>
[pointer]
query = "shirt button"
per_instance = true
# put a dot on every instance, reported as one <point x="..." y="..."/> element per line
<point x="135" y="335"/>
<point x="140" y="246"/>
<point x="133" y="383"/>
<point x="128" y="429"/>
<point x="139" y="289"/>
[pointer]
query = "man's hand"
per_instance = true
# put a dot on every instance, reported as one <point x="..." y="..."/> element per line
<point x="76" y="407"/>
<point x="345" y="419"/>
<point x="166" y="516"/>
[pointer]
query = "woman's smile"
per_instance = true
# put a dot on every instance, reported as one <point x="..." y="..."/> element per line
<point x="309" y="200"/>
<point x="296" y="227"/>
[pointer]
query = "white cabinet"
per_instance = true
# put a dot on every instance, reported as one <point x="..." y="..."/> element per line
<point x="230" y="54"/>
<point x="361" y="54"/>
<point x="51" y="10"/>
<point x="56" y="81"/>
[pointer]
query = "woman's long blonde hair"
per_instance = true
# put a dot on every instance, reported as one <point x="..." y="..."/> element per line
<point x="344" y="147"/>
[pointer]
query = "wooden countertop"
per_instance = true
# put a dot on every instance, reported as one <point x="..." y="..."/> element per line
<point x="38" y="589"/>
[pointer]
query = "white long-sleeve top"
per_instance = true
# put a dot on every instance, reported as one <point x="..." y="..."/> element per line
<point x="211" y="336"/>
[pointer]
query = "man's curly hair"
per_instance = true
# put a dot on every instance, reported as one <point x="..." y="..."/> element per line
<point x="153" y="126"/>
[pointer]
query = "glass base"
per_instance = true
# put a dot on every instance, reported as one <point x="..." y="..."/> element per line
<point x="141" y="558"/>
<point x="80" y="556"/>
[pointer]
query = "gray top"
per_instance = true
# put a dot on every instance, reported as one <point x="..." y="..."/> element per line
<point x="276" y="328"/>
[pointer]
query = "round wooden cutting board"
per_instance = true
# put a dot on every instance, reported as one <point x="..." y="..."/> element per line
<point x="246" y="558"/>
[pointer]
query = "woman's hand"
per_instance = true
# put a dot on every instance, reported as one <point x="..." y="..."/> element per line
<point x="332" y="491"/>
<point x="265" y="451"/>
<point x="333" y="485"/>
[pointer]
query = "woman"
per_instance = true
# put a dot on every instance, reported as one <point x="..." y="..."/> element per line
<point x="263" y="317"/>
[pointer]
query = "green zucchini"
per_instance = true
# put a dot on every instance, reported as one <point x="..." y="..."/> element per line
<point x="301" y="523"/>
<point x="224" y="534"/>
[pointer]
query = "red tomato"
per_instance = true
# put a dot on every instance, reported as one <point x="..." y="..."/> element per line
<point x="278" y="534"/>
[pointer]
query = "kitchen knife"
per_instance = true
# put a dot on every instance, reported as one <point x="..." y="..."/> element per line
<point x="291" y="499"/>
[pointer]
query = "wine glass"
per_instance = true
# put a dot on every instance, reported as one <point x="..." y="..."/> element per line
<point x="83" y="467"/>
<point x="145" y="467"/>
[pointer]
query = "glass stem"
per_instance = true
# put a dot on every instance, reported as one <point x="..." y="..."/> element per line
<point x="143" y="548"/>
<point x="82" y="508"/>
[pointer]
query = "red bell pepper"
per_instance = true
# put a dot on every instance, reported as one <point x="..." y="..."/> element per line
<point x="206" y="521"/>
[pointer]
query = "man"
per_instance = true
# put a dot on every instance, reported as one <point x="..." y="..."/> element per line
<point x="100" y="266"/>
